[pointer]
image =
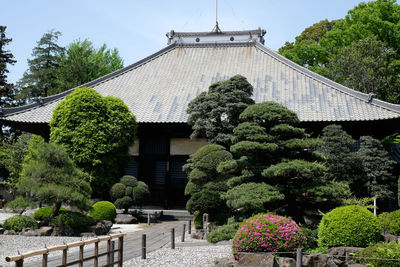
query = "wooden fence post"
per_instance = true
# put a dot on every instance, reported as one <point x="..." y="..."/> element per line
<point x="112" y="253"/>
<point x="190" y="227"/>
<point x="44" y="260"/>
<point x="143" y="247"/>
<point x="173" y="238"/>
<point x="96" y="254"/>
<point x="81" y="255"/>
<point x="120" y="250"/>
<point x="64" y="256"/>
<point x="108" y="252"/>
<point x="299" y="257"/>
<point x="183" y="232"/>
<point x="19" y="263"/>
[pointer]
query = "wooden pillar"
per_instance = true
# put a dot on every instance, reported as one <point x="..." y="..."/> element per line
<point x="143" y="247"/>
<point x="172" y="238"/>
<point x="81" y="255"/>
<point x="96" y="254"/>
<point x="120" y="250"/>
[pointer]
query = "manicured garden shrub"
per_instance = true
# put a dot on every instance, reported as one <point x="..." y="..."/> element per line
<point x="224" y="232"/>
<point x="350" y="225"/>
<point x="268" y="233"/>
<point x="129" y="192"/>
<point x="390" y="222"/>
<point x="74" y="219"/>
<point x="19" y="222"/>
<point x="103" y="210"/>
<point x="44" y="213"/>
<point x="198" y="220"/>
<point x="311" y="233"/>
<point x="380" y="251"/>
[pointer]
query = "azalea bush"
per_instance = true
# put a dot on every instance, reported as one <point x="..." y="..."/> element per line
<point x="268" y="233"/>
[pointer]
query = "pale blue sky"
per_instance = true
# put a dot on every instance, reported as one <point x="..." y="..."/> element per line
<point x="137" y="28"/>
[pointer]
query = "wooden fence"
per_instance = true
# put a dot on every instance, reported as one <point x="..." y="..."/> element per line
<point x="19" y="259"/>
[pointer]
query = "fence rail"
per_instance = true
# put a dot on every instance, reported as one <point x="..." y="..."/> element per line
<point x="19" y="259"/>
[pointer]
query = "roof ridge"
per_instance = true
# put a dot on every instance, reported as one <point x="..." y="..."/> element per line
<point x="337" y="86"/>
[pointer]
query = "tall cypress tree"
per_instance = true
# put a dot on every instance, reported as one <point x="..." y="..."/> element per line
<point x="6" y="57"/>
<point x="41" y="77"/>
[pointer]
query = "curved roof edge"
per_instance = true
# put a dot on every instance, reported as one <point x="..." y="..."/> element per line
<point x="362" y="96"/>
<point x="46" y="100"/>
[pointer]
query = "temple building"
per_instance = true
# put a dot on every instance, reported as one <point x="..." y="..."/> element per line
<point x="159" y="87"/>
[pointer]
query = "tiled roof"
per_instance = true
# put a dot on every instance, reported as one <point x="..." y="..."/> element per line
<point x="159" y="87"/>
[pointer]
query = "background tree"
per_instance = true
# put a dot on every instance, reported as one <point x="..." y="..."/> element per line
<point x="270" y="150"/>
<point x="6" y="57"/>
<point x="374" y="19"/>
<point x="41" y="77"/>
<point x="342" y="160"/>
<point x="82" y="63"/>
<point x="214" y="114"/>
<point x="49" y="176"/>
<point x="96" y="131"/>
<point x="365" y="66"/>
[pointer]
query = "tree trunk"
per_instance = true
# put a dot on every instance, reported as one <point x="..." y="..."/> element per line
<point x="54" y="213"/>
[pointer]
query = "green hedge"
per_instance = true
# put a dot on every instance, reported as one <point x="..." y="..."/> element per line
<point x="383" y="251"/>
<point x="103" y="210"/>
<point x="43" y="213"/>
<point x="352" y="225"/>
<point x="19" y="222"/>
<point x="74" y="219"/>
<point x="390" y="222"/>
<point x="224" y="232"/>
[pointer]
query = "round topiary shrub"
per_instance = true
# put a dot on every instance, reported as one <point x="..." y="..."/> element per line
<point x="74" y="219"/>
<point x="43" y="213"/>
<point x="103" y="210"/>
<point x="140" y="195"/>
<point x="129" y="180"/>
<point x="352" y="225"/>
<point x="268" y="233"/>
<point x="19" y="222"/>
<point x="117" y="191"/>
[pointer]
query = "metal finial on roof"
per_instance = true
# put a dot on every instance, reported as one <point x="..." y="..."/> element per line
<point x="216" y="28"/>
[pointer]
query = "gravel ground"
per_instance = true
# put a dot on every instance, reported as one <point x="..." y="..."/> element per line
<point x="182" y="256"/>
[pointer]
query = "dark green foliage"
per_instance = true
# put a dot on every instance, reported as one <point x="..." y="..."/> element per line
<point x="205" y="183"/>
<point x="118" y="190"/>
<point x="214" y="114"/>
<point x="205" y="201"/>
<point x="311" y="234"/>
<point x="273" y="153"/>
<point x="390" y="222"/>
<point x="41" y="77"/>
<point x="268" y="115"/>
<point x="103" y="210"/>
<point x="96" y="131"/>
<point x="14" y="154"/>
<point x="224" y="232"/>
<point x="82" y="63"/>
<point x="6" y="57"/>
<point x="73" y="219"/>
<point x="44" y="213"/>
<point x="124" y="203"/>
<point x="378" y="178"/>
<point x="19" y="222"/>
<point x="252" y="197"/>
<point x="375" y="255"/>
<point x="363" y="66"/>
<point x="140" y="195"/>
<point x="129" y="180"/>
<point x="50" y="177"/>
<point x="129" y="192"/>
<point x="352" y="226"/>
<point x="360" y="51"/>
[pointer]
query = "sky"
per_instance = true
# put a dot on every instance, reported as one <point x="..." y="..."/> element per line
<point x="137" y="28"/>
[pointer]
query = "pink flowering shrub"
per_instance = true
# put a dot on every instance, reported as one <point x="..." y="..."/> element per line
<point x="268" y="233"/>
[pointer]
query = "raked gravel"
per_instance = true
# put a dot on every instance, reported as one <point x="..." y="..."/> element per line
<point x="196" y="256"/>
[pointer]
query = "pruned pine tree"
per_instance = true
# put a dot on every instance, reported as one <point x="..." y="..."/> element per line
<point x="272" y="151"/>
<point x="214" y="114"/>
